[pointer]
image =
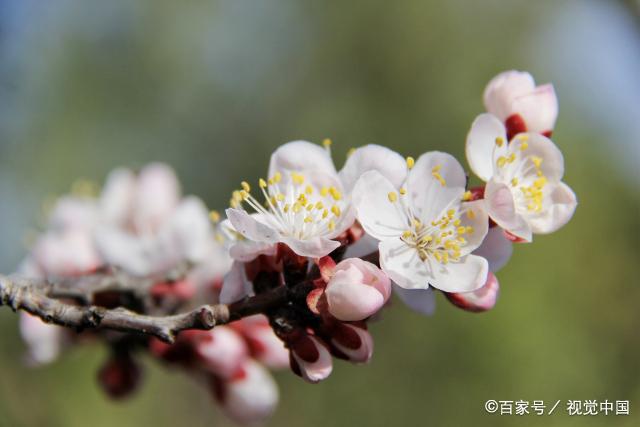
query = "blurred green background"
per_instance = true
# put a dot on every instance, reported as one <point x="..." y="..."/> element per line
<point x="212" y="87"/>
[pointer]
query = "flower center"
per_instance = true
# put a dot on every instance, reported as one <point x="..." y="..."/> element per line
<point x="516" y="170"/>
<point x="440" y="239"/>
<point x="293" y="209"/>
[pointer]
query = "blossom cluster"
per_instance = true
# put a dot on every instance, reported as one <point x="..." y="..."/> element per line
<point x="347" y="239"/>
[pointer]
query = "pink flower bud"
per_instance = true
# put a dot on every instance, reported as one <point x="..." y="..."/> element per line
<point x="357" y="290"/>
<point x="221" y="351"/>
<point x="515" y="99"/>
<point x="264" y="345"/>
<point x="310" y="359"/>
<point x="44" y="341"/>
<point x="120" y="376"/>
<point x="352" y="342"/>
<point x="250" y="396"/>
<point x="480" y="300"/>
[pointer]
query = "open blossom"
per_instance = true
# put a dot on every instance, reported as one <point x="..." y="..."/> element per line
<point x="524" y="192"/>
<point x="305" y="208"/>
<point x="514" y="98"/>
<point x="307" y="202"/>
<point x="147" y="227"/>
<point x="426" y="232"/>
<point x="356" y="290"/>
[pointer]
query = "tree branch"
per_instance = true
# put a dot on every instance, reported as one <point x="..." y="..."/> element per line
<point x="38" y="297"/>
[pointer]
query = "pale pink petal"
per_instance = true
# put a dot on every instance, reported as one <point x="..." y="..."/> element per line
<point x="223" y="352"/>
<point x="539" y="109"/>
<point x="349" y="301"/>
<point x="377" y="214"/>
<point x="495" y="248"/>
<point x="503" y="89"/>
<point x="563" y="205"/>
<point x="265" y="345"/>
<point x="422" y="301"/>
<point x="390" y="164"/>
<point x="501" y="209"/>
<point x="481" y="141"/>
<point x="369" y="274"/>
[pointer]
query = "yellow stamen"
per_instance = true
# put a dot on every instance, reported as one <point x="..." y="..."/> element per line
<point x="214" y="216"/>
<point x="392" y="196"/>
<point x="410" y="162"/>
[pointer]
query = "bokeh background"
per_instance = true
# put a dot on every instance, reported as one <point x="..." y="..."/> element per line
<point x="212" y="87"/>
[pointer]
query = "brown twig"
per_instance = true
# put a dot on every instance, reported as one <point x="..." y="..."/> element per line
<point x="38" y="298"/>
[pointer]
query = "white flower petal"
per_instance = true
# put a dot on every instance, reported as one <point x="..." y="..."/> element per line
<point x="421" y="301"/>
<point x="403" y="265"/>
<point x="552" y="165"/>
<point x="157" y="195"/>
<point x="379" y="217"/>
<point x="539" y="109"/>
<point x="373" y="157"/>
<point x="481" y="142"/>
<point x="126" y="251"/>
<point x="74" y="212"/>
<point x="117" y="196"/>
<point x="495" y="248"/>
<point x="248" y="250"/>
<point x="563" y="205"/>
<point x="189" y="230"/>
<point x="250" y="227"/>
<point x="311" y="160"/>
<point x="434" y="182"/>
<point x="235" y="285"/>
<point x="467" y="275"/>
<point x="474" y="215"/>
<point x="501" y="208"/>
<point x="315" y="247"/>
